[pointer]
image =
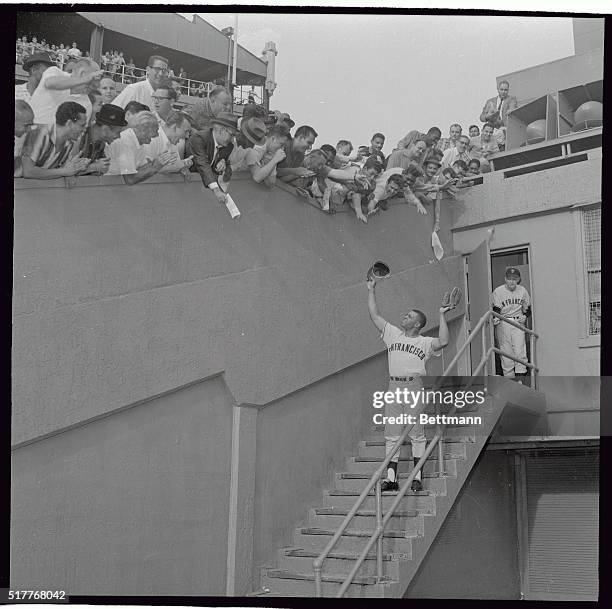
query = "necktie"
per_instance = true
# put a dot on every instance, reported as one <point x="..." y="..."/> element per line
<point x="501" y="101"/>
<point x="216" y="157"/>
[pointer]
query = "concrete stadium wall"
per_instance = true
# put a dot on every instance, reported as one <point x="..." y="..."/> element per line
<point x="499" y="198"/>
<point x="588" y="34"/>
<point x="134" y="503"/>
<point x="475" y="554"/>
<point x="124" y="293"/>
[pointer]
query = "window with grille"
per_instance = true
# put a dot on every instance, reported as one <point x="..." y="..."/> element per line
<point x="591" y="224"/>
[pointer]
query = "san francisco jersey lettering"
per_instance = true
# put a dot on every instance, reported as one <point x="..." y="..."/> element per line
<point x="510" y="303"/>
<point x="407" y="354"/>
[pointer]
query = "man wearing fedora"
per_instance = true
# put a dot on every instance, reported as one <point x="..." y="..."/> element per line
<point x="35" y="66"/>
<point x="109" y="123"/>
<point x="251" y="132"/>
<point x="211" y="148"/>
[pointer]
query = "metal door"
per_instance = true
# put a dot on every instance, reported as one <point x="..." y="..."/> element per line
<point x="479" y="294"/>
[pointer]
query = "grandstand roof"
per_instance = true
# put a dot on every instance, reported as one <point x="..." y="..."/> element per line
<point x="195" y="45"/>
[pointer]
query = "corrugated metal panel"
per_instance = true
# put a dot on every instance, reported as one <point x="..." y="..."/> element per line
<point x="563" y="514"/>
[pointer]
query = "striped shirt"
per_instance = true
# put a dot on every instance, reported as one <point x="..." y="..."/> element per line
<point x="40" y="146"/>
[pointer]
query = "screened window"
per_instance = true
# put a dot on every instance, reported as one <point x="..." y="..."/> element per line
<point x="591" y="223"/>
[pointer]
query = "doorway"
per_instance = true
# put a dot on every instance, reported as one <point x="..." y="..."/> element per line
<point x="500" y="261"/>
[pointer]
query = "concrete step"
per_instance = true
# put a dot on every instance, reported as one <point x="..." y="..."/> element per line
<point x="458" y="433"/>
<point x="376" y="448"/>
<point x="299" y="560"/>
<point x="353" y="540"/>
<point x="379" y="429"/>
<point x="359" y="465"/>
<point x="288" y="583"/>
<point x="332" y="518"/>
<point x="422" y="501"/>
<point x="436" y="486"/>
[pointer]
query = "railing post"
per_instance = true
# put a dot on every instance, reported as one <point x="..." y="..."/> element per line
<point x="441" y="472"/>
<point x="484" y="347"/>
<point x="532" y="348"/>
<point x="317" y="573"/>
<point x="379" y="544"/>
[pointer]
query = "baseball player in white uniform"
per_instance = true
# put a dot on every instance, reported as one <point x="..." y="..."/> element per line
<point x="512" y="301"/>
<point x="408" y="352"/>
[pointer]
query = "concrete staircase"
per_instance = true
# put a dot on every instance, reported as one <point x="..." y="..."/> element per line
<point x="412" y="528"/>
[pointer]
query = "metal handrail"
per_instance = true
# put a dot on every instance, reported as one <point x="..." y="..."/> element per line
<point x="377" y="534"/>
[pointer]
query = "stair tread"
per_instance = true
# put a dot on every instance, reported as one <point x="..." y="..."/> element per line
<point x="454" y="440"/>
<point x="447" y="456"/>
<point x="342" y="493"/>
<point x="357" y="532"/>
<point x="302" y="553"/>
<point x="334" y="511"/>
<point x="368" y="475"/>
<point x="330" y="577"/>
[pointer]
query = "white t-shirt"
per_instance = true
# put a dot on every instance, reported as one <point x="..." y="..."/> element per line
<point x="138" y="91"/>
<point x="45" y="102"/>
<point x="407" y="354"/>
<point x="160" y="144"/>
<point x="509" y="302"/>
<point x="126" y="154"/>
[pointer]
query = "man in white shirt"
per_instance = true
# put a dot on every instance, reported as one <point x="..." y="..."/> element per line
<point x="128" y="155"/>
<point x="459" y="152"/>
<point x="35" y="66"/>
<point x="142" y="91"/>
<point x="56" y="87"/>
<point x="408" y="352"/>
<point x="172" y="133"/>
<point x="74" y="51"/>
<point x="454" y="133"/>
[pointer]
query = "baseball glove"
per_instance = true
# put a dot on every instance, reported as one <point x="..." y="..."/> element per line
<point x="452" y="299"/>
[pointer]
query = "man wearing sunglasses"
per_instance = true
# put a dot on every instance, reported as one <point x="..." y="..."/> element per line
<point x="157" y="73"/>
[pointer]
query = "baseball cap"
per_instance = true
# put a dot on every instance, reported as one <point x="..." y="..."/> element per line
<point x="513" y="272"/>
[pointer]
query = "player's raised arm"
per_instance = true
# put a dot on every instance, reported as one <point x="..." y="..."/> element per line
<point x="378" y="321"/>
<point x="450" y="300"/>
<point x="443" y="335"/>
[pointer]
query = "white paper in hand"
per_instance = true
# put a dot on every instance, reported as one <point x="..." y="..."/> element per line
<point x="232" y="207"/>
<point x="437" y="246"/>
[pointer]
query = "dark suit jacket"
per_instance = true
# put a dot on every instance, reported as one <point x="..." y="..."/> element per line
<point x="202" y="146"/>
<point x="508" y="104"/>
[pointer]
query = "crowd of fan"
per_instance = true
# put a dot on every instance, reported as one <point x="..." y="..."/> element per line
<point x="112" y="62"/>
<point x="69" y="124"/>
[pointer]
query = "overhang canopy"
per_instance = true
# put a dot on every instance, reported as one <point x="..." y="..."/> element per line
<point x="196" y="46"/>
